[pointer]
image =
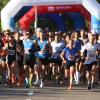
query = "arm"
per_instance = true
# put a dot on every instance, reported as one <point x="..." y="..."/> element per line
<point x="5" y="49"/>
<point x="18" y="48"/>
<point x="83" y="50"/>
<point x="63" y="57"/>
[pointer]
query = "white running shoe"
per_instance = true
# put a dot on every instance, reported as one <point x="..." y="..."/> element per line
<point x="42" y="84"/>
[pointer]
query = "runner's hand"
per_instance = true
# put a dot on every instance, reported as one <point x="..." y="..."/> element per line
<point x="64" y="62"/>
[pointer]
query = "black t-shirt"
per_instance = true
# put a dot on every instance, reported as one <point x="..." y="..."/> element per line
<point x="20" y="43"/>
<point x="1" y="44"/>
<point x="12" y="51"/>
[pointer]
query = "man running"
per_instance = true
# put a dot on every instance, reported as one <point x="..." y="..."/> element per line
<point x="91" y="61"/>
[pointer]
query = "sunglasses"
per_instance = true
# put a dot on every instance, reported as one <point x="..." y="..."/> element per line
<point x="27" y="34"/>
<point x="6" y="33"/>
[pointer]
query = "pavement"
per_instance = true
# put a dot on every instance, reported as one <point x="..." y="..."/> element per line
<point x="49" y="92"/>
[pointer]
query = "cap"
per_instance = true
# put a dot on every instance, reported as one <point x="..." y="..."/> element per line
<point x="57" y="33"/>
<point x="39" y="30"/>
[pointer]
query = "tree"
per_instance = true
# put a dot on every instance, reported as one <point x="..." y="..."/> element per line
<point x="98" y="1"/>
<point x="3" y="3"/>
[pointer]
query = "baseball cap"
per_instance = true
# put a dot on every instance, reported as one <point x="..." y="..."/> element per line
<point x="39" y="30"/>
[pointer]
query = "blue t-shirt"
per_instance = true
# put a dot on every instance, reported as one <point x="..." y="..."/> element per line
<point x="29" y="46"/>
<point x="70" y="53"/>
<point x="78" y="44"/>
<point x="42" y="45"/>
<point x="34" y="37"/>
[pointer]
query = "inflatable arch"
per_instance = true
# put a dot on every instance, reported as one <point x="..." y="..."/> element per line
<point x="78" y="21"/>
<point x="89" y="8"/>
<point x="26" y="20"/>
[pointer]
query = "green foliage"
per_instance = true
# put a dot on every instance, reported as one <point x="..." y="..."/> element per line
<point x="98" y="1"/>
<point x="2" y="4"/>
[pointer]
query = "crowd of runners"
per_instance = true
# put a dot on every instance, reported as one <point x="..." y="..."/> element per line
<point x="32" y="57"/>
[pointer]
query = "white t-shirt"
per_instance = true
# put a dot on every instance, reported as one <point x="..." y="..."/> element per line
<point x="56" y="47"/>
<point x="91" y="52"/>
<point x="84" y="40"/>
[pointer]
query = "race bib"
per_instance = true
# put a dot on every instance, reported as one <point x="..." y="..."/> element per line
<point x="92" y="55"/>
<point x="70" y="57"/>
<point x="11" y="52"/>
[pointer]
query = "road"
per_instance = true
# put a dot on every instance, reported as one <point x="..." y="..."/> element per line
<point x="49" y="93"/>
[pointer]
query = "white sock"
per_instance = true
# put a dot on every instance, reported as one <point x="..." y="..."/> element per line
<point x="37" y="78"/>
<point x="26" y="79"/>
<point x="77" y="77"/>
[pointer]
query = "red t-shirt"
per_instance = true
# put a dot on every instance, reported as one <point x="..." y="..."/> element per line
<point x="4" y="40"/>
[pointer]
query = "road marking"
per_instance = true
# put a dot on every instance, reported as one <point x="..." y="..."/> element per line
<point x="30" y="93"/>
<point x="29" y="99"/>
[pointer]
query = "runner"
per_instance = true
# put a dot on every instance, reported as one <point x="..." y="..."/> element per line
<point x="78" y="44"/>
<point x="57" y="47"/>
<point x="90" y="62"/>
<point x="5" y="38"/>
<point x="1" y="69"/>
<point x="42" y="57"/>
<point x="19" y="59"/>
<point x="68" y="57"/>
<point x="11" y="60"/>
<point x="29" y="58"/>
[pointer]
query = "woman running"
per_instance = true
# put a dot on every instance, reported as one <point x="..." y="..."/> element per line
<point x="68" y="56"/>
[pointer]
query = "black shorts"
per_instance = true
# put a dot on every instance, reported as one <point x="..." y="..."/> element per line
<point x="69" y="64"/>
<point x="20" y="59"/>
<point x="44" y="61"/>
<point x="3" y="58"/>
<point x="29" y="60"/>
<point x="79" y="59"/>
<point x="56" y="59"/>
<point x="11" y="59"/>
<point x="88" y="67"/>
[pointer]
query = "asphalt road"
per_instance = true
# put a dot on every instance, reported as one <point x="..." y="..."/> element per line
<point x="49" y="93"/>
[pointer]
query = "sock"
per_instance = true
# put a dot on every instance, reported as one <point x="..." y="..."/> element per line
<point x="37" y="78"/>
<point x="89" y="82"/>
<point x="77" y="77"/>
<point x="26" y="80"/>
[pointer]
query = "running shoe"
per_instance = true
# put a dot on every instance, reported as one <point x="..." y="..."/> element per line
<point x="93" y="85"/>
<point x="89" y="86"/>
<point x="42" y="84"/>
<point x="26" y="82"/>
